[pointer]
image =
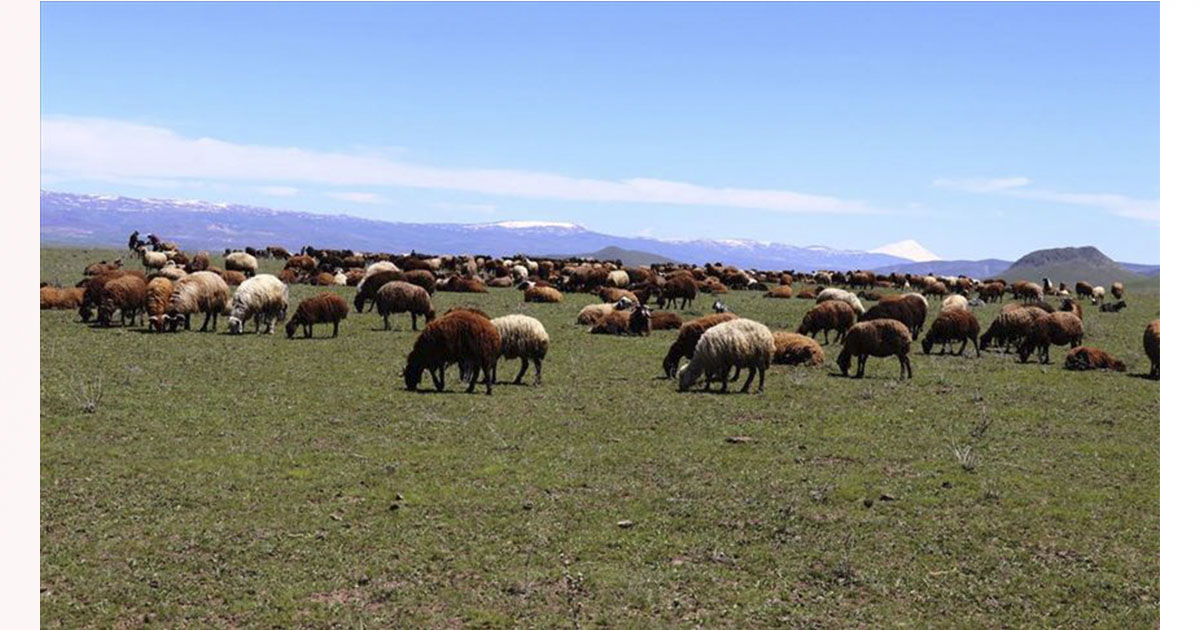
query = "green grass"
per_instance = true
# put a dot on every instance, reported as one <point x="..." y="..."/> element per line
<point x="260" y="481"/>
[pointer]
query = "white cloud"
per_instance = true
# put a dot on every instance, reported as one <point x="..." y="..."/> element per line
<point x="278" y="191"/>
<point x="482" y="208"/>
<point x="92" y="148"/>
<point x="356" y="197"/>
<point x="1118" y="205"/>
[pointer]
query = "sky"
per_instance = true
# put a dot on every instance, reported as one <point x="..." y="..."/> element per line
<point x="982" y="130"/>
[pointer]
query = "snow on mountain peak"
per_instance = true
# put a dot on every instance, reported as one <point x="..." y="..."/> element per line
<point x="909" y="249"/>
<point x="526" y="225"/>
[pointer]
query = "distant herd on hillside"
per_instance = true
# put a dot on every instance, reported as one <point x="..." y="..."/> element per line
<point x="171" y="287"/>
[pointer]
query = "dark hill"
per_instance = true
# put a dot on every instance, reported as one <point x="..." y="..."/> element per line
<point x="1069" y="265"/>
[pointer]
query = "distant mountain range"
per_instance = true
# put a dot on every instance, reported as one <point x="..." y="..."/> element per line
<point x="73" y="219"/>
<point x="1070" y="264"/>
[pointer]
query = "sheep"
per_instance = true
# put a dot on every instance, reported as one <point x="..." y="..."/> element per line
<point x="1058" y="328"/>
<point x="1112" y="307"/>
<point x="954" y="301"/>
<point x="158" y="295"/>
<point x="503" y="282"/>
<point x="842" y="296"/>
<point x="631" y="322"/>
<point x="1097" y="295"/>
<point x="93" y="290"/>
<point x="591" y="314"/>
<point x="339" y="279"/>
<point x="525" y="338"/>
<point x="834" y="315"/>
<point x="458" y="337"/>
<point x="243" y="262"/>
<point x="379" y="267"/>
<point x="662" y="320"/>
<point x="956" y="324"/>
<point x="876" y="338"/>
<point x="59" y="298"/>
<point x="262" y="297"/>
<point x="1088" y="358"/>
<point x="1071" y="306"/>
<point x="1150" y="344"/>
<point x="739" y="343"/>
<point x="1010" y="327"/>
<point x="199" y="262"/>
<point x="200" y="292"/>
<point x="422" y="278"/>
<point x="991" y="292"/>
<point x="152" y="260"/>
<point x="231" y="278"/>
<point x="689" y="335"/>
<point x="682" y="288"/>
<point x="617" y="278"/>
<point x="323" y="308"/>
<point x="519" y="272"/>
<point x="301" y="262"/>
<point x="369" y="287"/>
<point x="354" y="277"/>
<point x="126" y="294"/>
<point x="543" y="294"/>
<point x="1118" y="290"/>
<point x="322" y="279"/>
<point x="399" y="296"/>
<point x="796" y="349"/>
<point x="783" y="292"/>
<point x="1083" y="289"/>
<point x="719" y="307"/>
<point x="910" y="309"/>
<point x="1025" y="290"/>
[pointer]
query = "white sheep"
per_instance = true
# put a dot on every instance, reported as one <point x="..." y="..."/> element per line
<point x="374" y="268"/>
<point x="523" y="337"/>
<point x="954" y="301"/>
<point x="263" y="297"/>
<point x="243" y="262"/>
<point x="153" y="260"/>
<point x="1097" y="295"/>
<point x="737" y="344"/>
<point x="842" y="296"/>
<point x="339" y="278"/>
<point x="519" y="272"/>
<point x="198" y="292"/>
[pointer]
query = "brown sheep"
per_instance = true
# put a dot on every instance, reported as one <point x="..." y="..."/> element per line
<point x="876" y="338"/>
<point x="631" y="322"/>
<point x="796" y="349"/>
<point x="1058" y="328"/>
<point x="302" y="263"/>
<point x="61" y="299"/>
<point x="991" y="292"/>
<point x="782" y="292"/>
<point x="1009" y="328"/>
<point x="420" y="277"/>
<point x="1027" y="291"/>
<point x="287" y="276"/>
<point x="323" y="279"/>
<point x="680" y="287"/>
<point x="1087" y="358"/>
<point x="323" y="308"/>
<point x="953" y="325"/>
<point x="354" y="276"/>
<point x="832" y="315"/>
<point x="459" y="337"/>
<point x="612" y="294"/>
<point x="103" y="266"/>
<point x="543" y="294"/>
<point x="1150" y="345"/>
<point x="93" y="288"/>
<point x="232" y="278"/>
<point x="401" y="297"/>
<point x="1118" y="290"/>
<point x="200" y="262"/>
<point x="1071" y="306"/>
<point x="1083" y="290"/>
<point x="158" y="296"/>
<point x="807" y="294"/>
<point x="500" y="282"/>
<point x="909" y="309"/>
<point x="689" y="335"/>
<point x="126" y="294"/>
<point x="937" y="289"/>
<point x="369" y="287"/>
<point x="662" y="320"/>
<point x="459" y="284"/>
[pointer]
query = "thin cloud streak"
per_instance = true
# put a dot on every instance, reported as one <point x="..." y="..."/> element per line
<point x="90" y="148"/>
<point x="356" y="197"/>
<point x="1118" y="205"/>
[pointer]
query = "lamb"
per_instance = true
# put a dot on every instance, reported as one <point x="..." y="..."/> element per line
<point x="662" y="320"/>
<point x="783" y="292"/>
<point x="525" y="338"/>
<point x="1010" y="327"/>
<point x="957" y="324"/>
<point x="401" y="297"/>
<point x="262" y="297"/>
<point x="59" y="298"/>
<point x="1113" y="308"/>
<point x="243" y="262"/>
<point x="1118" y="290"/>
<point x="689" y="336"/>
<point x="543" y="294"/>
<point x="126" y="294"/>
<point x="832" y="315"/>
<point x="680" y="287"/>
<point x="458" y="337"/>
<point x="323" y="308"/>
<point x="796" y="349"/>
<point x="1097" y="295"/>
<point x="632" y="322"/>
<point x="876" y="338"/>
<point x="842" y="296"/>
<point x="1150" y="345"/>
<point x="200" y="292"/>
<point x="591" y="314"/>
<point x="954" y="301"/>
<point x="1058" y="328"/>
<point x="739" y="343"/>
<point x="158" y="296"/>
<point x="1088" y="358"/>
<point x="369" y="287"/>
<point x="909" y="309"/>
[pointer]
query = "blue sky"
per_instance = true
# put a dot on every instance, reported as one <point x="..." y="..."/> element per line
<point x="981" y="130"/>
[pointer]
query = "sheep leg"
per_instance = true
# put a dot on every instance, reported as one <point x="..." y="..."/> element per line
<point x="762" y="375"/>
<point x="725" y="380"/>
<point x="749" y="379"/>
<point x="862" y="366"/>
<point x="975" y="341"/>
<point x="537" y="374"/>
<point x="475" y="377"/>
<point x="489" y="376"/>
<point x="335" y="327"/>
<point x="905" y="365"/>
<point x="521" y="372"/>
<point x="387" y="324"/>
<point x="439" y="377"/>
<point x="308" y="331"/>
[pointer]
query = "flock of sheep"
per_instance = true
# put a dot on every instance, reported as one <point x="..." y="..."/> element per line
<point x="173" y="287"/>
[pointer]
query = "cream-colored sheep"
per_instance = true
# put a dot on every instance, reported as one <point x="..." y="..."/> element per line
<point x="263" y="297"/>
<point x="738" y="343"/>
<point x="525" y="338"/>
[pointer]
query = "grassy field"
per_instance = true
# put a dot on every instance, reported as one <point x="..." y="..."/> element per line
<point x="257" y="481"/>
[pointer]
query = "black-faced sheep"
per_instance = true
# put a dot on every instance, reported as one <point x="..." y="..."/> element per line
<point x="876" y="338"/>
<point x="126" y="294"/>
<point x="689" y="336"/>
<point x="525" y="338"/>
<point x="834" y="315"/>
<point x="243" y="262"/>
<point x="543" y="294"/>
<point x="956" y="324"/>
<point x="263" y="298"/>
<point x="1087" y="358"/>
<point x="401" y="297"/>
<point x="323" y="308"/>
<point x="740" y="343"/>
<point x="1150" y="344"/>
<point x="797" y="349"/>
<point x="458" y="337"/>
<point x="200" y="292"/>
<point x="1058" y="328"/>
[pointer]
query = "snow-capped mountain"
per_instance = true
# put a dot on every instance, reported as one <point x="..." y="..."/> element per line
<point x="907" y="249"/>
<point x="68" y="218"/>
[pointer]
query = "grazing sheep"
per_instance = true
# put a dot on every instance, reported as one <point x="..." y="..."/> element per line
<point x="956" y="324"/>
<point x="796" y="349"/>
<point x="369" y="287"/>
<point x="243" y="262"/>
<point x="399" y="296"/>
<point x="1058" y="328"/>
<point x="954" y="301"/>
<point x="1083" y="289"/>
<point x="61" y="299"/>
<point x="842" y="296"/>
<point x="740" y="343"/>
<point x="834" y="315"/>
<point x="662" y="320"/>
<point x="93" y="290"/>
<point x="591" y="314"/>
<point x="689" y="335"/>
<point x="876" y="338"/>
<point x="782" y="292"/>
<point x="909" y="309"/>
<point x="525" y="338"/>
<point x="1150" y="345"/>
<point x="1088" y="358"/>
<point x="543" y="294"/>
<point x="1009" y="328"/>
<point x="1027" y="291"/>
<point x="458" y="337"/>
<point x="1097" y="295"/>
<point x="617" y="278"/>
<point x="380" y="267"/>
<point x="153" y="260"/>
<point x="323" y="308"/>
<point x="199" y="262"/>
<point x="262" y="297"/>
<point x="682" y="288"/>
<point x="631" y="322"/>
<point x="1118" y="290"/>
<point x="1112" y="307"/>
<point x="126" y="294"/>
<point x="200" y="292"/>
<point x="991" y="292"/>
<point x="158" y="296"/>
<point x="1071" y="306"/>
<point x="231" y="278"/>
